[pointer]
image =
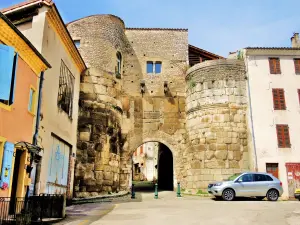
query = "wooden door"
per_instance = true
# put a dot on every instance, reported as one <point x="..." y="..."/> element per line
<point x="272" y="168"/>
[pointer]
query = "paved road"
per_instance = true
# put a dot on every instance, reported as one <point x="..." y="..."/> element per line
<point x="188" y="210"/>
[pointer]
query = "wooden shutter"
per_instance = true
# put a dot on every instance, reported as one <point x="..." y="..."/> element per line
<point x="274" y="64"/>
<point x="7" y="164"/>
<point x="6" y="65"/>
<point x="278" y="99"/>
<point x="297" y="66"/>
<point x="299" y="95"/>
<point x="283" y="136"/>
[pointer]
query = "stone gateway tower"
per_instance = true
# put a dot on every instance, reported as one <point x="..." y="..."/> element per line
<point x="139" y="88"/>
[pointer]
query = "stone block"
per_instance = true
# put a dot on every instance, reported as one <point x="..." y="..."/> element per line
<point x="218" y="177"/>
<point x="205" y="171"/>
<point x="209" y="154"/>
<point x="84" y="136"/>
<point x="208" y="177"/>
<point x="221" y="147"/>
<point x="108" y="176"/>
<point x="221" y="154"/>
<point x="237" y="155"/>
<point x="230" y="155"/>
<point x="233" y="164"/>
<point x="212" y="147"/>
<point x="215" y="171"/>
<point x="227" y="140"/>
<point x="196" y="164"/>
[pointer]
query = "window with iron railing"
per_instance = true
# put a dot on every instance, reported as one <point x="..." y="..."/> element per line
<point x="66" y="89"/>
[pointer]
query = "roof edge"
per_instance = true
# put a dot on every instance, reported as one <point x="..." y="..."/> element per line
<point x="22" y="5"/>
<point x="162" y="29"/>
<point x="200" y="49"/>
<point x="2" y="16"/>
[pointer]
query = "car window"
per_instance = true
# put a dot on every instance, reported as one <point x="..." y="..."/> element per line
<point x="269" y="178"/>
<point x="260" y="177"/>
<point x="246" y="178"/>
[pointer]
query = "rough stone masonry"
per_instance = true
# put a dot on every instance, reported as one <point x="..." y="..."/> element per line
<point x="199" y="113"/>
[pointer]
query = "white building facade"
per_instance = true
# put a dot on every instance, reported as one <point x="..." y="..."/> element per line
<point x="145" y="161"/>
<point x="273" y="76"/>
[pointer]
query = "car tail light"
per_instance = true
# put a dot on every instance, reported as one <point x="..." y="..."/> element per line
<point x="280" y="183"/>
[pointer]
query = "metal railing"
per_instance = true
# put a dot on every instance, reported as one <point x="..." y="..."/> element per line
<point x="34" y="209"/>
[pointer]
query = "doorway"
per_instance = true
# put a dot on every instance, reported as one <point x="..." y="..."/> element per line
<point x="14" y="185"/>
<point x="152" y="163"/>
<point x="165" y="169"/>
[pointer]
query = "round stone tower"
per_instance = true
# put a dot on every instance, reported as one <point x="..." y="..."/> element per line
<point x="216" y="104"/>
<point x="100" y="40"/>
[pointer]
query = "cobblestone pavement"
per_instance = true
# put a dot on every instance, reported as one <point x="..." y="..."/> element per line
<point x="186" y="210"/>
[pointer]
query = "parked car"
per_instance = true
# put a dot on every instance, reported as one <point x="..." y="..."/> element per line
<point x="259" y="185"/>
<point x="297" y="194"/>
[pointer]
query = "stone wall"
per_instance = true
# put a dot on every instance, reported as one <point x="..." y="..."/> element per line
<point x="155" y="115"/>
<point x="216" y="123"/>
<point x="199" y="117"/>
<point x="100" y="139"/>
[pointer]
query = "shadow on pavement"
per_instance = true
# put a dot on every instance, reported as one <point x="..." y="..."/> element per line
<point x="239" y="199"/>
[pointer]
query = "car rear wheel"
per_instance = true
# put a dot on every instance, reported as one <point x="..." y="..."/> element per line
<point x="260" y="197"/>
<point x="228" y="194"/>
<point x="272" y="195"/>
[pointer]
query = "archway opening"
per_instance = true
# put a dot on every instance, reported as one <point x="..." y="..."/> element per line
<point x="152" y="163"/>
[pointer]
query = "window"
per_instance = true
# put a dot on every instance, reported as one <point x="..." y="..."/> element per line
<point x="8" y="65"/>
<point x="2" y="142"/>
<point x="119" y="65"/>
<point x="272" y="168"/>
<point x="32" y="100"/>
<point x="299" y="95"/>
<point x="65" y="91"/>
<point x="246" y="178"/>
<point x="297" y="66"/>
<point x="283" y="136"/>
<point x="158" y="67"/>
<point x="77" y="43"/>
<point x="278" y="99"/>
<point x="154" y="67"/>
<point x="274" y="64"/>
<point x="260" y="177"/>
<point x="149" y="67"/>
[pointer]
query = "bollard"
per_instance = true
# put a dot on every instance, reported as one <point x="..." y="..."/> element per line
<point x="156" y="192"/>
<point x="178" y="190"/>
<point x="132" y="192"/>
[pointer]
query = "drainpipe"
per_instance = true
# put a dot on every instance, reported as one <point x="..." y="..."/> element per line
<point x="35" y="136"/>
<point x="251" y="116"/>
<point x="37" y="124"/>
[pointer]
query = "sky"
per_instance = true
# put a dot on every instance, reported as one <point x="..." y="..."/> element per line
<point x="218" y="26"/>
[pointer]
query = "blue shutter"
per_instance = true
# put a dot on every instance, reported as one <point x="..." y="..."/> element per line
<point x="7" y="164"/>
<point x="14" y="78"/>
<point x="158" y="67"/>
<point x="149" y="67"/>
<point x="6" y="65"/>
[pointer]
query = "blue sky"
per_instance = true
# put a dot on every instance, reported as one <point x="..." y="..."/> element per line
<point x="219" y="26"/>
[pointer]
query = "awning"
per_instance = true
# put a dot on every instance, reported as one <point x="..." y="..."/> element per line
<point x="30" y="147"/>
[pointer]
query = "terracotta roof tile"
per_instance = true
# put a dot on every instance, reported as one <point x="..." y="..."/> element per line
<point x="48" y="2"/>
<point x="272" y="48"/>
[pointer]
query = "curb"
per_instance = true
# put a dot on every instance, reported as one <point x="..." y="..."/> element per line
<point x="100" y="198"/>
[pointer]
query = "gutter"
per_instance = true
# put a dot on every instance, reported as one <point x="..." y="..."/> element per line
<point x="251" y="115"/>
<point x="35" y="136"/>
<point x="37" y="124"/>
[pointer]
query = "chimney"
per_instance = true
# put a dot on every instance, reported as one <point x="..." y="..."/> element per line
<point x="295" y="40"/>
